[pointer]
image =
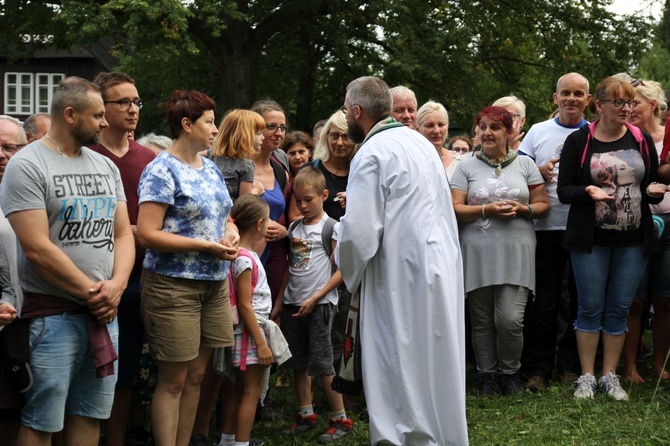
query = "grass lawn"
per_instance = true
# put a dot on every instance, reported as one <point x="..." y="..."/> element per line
<point x="549" y="418"/>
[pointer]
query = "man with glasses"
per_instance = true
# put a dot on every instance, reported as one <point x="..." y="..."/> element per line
<point x="16" y="375"/>
<point x="544" y="143"/>
<point x="12" y="139"/>
<point x="399" y="248"/>
<point x="122" y="110"/>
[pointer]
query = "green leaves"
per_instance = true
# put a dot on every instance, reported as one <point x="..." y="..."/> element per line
<point x="464" y="54"/>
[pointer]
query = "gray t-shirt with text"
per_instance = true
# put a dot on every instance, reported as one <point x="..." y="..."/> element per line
<point x="79" y="195"/>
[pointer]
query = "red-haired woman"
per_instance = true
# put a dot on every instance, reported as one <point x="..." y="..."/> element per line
<point x="496" y="196"/>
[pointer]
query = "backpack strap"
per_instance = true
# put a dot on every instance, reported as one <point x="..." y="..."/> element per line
<point x="279" y="171"/>
<point x="231" y="280"/>
<point x="254" y="268"/>
<point x="245" y="332"/>
<point x="327" y="235"/>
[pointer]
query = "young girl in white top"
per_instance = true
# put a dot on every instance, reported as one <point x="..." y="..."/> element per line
<point x="252" y="354"/>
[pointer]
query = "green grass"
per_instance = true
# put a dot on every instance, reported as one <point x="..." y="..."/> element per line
<point x="555" y="418"/>
<point x="549" y="418"/>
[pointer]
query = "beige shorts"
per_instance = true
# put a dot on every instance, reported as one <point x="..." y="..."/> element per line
<point x="182" y="315"/>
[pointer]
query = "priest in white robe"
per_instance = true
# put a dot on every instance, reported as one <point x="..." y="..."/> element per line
<point x="399" y="244"/>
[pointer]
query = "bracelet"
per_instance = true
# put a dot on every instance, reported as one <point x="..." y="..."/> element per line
<point x="483" y="211"/>
<point x="532" y="211"/>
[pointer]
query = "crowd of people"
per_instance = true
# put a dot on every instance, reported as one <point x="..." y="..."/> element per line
<point x="354" y="255"/>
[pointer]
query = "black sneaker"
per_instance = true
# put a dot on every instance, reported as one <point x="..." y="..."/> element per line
<point x="512" y="384"/>
<point x="487" y="383"/>
<point x="19" y="374"/>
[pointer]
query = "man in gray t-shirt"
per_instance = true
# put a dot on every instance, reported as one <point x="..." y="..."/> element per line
<point x="67" y="207"/>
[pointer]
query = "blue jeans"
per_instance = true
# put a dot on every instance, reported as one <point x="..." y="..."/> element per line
<point x="607" y="279"/>
<point x="64" y="373"/>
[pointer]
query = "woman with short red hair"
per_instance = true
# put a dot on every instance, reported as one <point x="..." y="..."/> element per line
<point x="184" y="225"/>
<point x="496" y="196"/>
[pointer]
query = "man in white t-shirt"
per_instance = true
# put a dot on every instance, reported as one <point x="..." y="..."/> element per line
<point x="543" y="143"/>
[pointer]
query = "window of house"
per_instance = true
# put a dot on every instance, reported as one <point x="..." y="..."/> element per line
<point x="28" y="93"/>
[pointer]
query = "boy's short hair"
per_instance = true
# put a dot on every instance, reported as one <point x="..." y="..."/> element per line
<point x="310" y="176"/>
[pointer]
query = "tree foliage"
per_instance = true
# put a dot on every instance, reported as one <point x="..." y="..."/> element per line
<point x="303" y="53"/>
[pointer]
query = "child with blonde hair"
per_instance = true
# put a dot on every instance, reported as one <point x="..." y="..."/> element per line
<point x="240" y="136"/>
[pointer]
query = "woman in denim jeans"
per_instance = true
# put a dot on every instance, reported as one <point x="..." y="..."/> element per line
<point x="607" y="175"/>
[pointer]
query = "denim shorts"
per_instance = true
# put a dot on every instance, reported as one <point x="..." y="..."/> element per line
<point x="64" y="373"/>
<point x="607" y="279"/>
<point x="309" y="339"/>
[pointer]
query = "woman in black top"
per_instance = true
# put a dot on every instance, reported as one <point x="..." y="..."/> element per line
<point x="607" y="175"/>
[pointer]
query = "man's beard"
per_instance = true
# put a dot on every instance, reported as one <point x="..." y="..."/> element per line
<point x="83" y="138"/>
<point x="356" y="132"/>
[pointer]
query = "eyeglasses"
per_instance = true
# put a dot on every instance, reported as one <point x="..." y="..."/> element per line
<point x="619" y="103"/>
<point x="335" y="136"/>
<point x="635" y="82"/>
<point x="11" y="149"/>
<point x="125" y="103"/>
<point x="461" y="150"/>
<point x="274" y="127"/>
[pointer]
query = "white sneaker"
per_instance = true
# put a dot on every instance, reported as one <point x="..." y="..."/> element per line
<point x="586" y="387"/>
<point x="610" y="384"/>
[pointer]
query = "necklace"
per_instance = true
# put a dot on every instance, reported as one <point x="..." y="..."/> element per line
<point x="55" y="144"/>
<point x="511" y="156"/>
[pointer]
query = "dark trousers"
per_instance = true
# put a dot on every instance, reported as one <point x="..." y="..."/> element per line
<point x="14" y="350"/>
<point x="554" y="288"/>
